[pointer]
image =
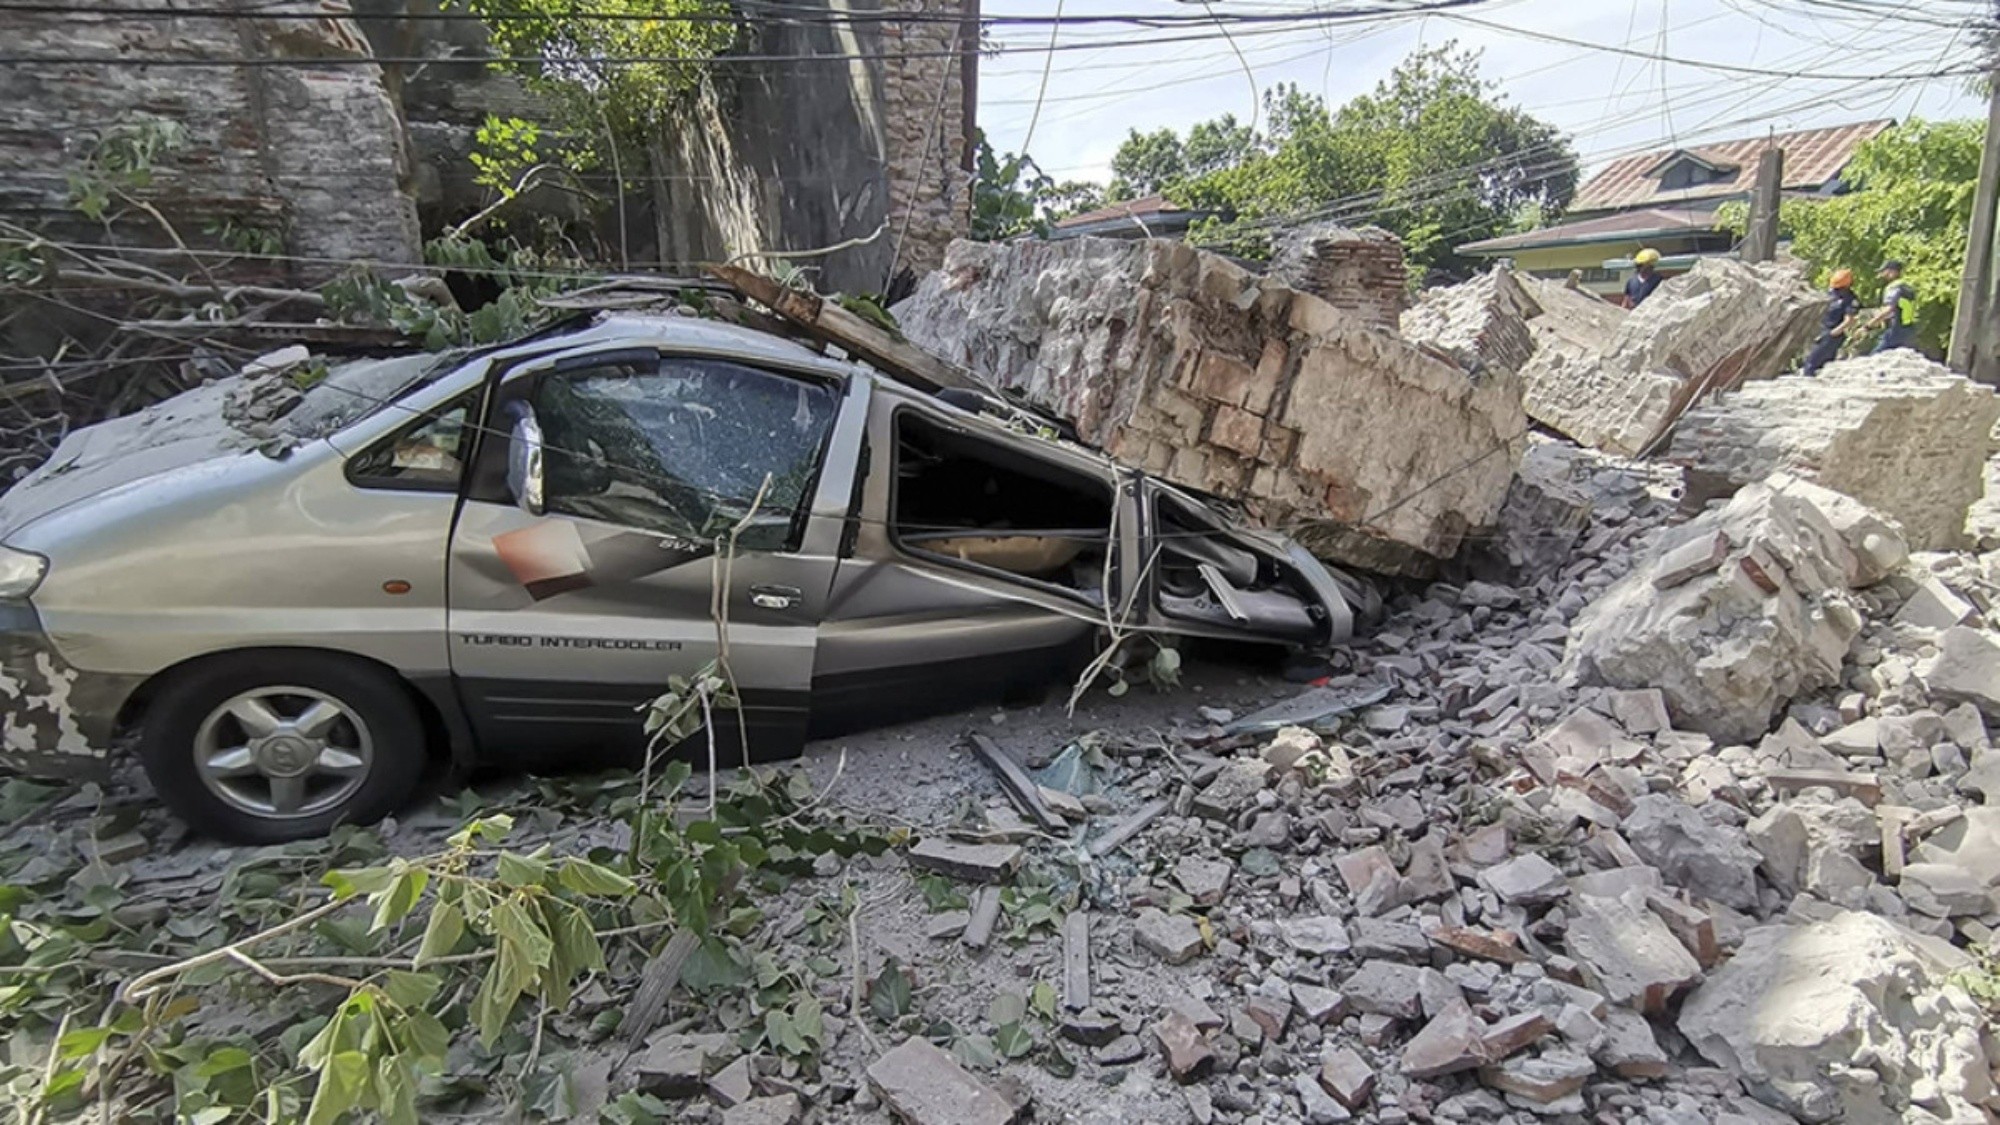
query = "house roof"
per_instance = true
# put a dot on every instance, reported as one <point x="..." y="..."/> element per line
<point x="1813" y="159"/>
<point x="1123" y="209"/>
<point x="1619" y="226"/>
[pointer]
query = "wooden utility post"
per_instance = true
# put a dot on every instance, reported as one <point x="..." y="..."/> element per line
<point x="1760" y="239"/>
<point x="1975" y="337"/>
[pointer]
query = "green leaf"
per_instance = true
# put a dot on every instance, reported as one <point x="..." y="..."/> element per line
<point x="1042" y="999"/>
<point x="576" y="943"/>
<point x="1057" y="1063"/>
<point x="1013" y="1040"/>
<point x="221" y="1061"/>
<point x="81" y="1042"/>
<point x="586" y="878"/>
<point x="411" y="990"/>
<point x="976" y="1051"/>
<point x="510" y="921"/>
<point x="426" y="1035"/>
<point x="889" y="993"/>
<point x="810" y="1021"/>
<point x="400" y="898"/>
<point x="343" y="1083"/>
<point x="396" y="1091"/>
<point x="521" y="871"/>
<point x="441" y="933"/>
<point x="495" y="1000"/>
<point x="1008" y="1007"/>
<point x="358" y="881"/>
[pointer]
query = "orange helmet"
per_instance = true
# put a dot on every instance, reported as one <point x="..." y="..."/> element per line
<point x="1843" y="279"/>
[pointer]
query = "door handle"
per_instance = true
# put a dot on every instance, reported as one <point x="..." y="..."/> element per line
<point x="775" y="597"/>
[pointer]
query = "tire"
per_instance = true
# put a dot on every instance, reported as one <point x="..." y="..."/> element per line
<point x="274" y="747"/>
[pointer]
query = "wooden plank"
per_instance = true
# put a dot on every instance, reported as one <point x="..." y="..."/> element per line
<point x="1021" y="789"/>
<point x="985" y="915"/>
<point x="1129" y="827"/>
<point x="656" y="983"/>
<point x="1076" y="960"/>
<point x="897" y="358"/>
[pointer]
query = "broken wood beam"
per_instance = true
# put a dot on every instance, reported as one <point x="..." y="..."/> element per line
<point x="1021" y="789"/>
<point x="1131" y="826"/>
<point x="980" y="863"/>
<point x="824" y="320"/>
<point x="656" y="983"/>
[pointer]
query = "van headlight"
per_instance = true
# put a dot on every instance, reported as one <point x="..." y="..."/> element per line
<point x="20" y="572"/>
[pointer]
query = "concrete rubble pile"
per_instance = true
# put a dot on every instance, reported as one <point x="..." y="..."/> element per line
<point x="1469" y="885"/>
<point x="1481" y="325"/>
<point x="1895" y="431"/>
<point x="1193" y="368"/>
<point x="1709" y="329"/>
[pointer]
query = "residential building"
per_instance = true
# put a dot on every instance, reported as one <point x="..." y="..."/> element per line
<point x="1667" y="199"/>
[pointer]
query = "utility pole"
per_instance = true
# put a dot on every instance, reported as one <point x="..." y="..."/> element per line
<point x="1760" y="240"/>
<point x="1975" y="337"/>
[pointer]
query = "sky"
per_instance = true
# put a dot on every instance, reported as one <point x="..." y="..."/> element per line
<point x="1610" y="104"/>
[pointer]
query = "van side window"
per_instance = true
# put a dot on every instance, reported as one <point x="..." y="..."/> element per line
<point x="428" y="454"/>
<point x="682" y="447"/>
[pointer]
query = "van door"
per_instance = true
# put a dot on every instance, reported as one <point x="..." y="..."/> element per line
<point x="565" y="624"/>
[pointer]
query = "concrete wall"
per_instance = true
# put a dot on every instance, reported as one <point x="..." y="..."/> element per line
<point x="314" y="154"/>
<point x="780" y="155"/>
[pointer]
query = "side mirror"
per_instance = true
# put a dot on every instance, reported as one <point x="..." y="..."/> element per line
<point x="524" y="459"/>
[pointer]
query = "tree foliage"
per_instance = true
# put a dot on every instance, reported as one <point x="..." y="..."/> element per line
<point x="1433" y="154"/>
<point x="1012" y="195"/>
<point x="1911" y="200"/>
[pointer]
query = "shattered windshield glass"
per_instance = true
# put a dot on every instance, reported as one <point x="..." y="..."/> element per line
<point x="352" y="391"/>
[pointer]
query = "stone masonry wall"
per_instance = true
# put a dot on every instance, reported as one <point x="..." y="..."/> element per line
<point x="1372" y="451"/>
<point x="1360" y="270"/>
<point x="930" y="194"/>
<point x="315" y="154"/>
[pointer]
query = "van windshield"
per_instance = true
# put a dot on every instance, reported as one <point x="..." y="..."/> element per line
<point x="353" y="391"/>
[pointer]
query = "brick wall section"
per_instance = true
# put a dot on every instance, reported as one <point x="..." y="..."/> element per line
<point x="317" y="153"/>
<point x="1359" y="269"/>
<point x="930" y="195"/>
<point x="1194" y="369"/>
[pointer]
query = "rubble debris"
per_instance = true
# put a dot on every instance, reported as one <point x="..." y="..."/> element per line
<point x="1076" y="960"/>
<point x="1121" y="833"/>
<point x="1853" y="986"/>
<point x="1187" y="1054"/>
<point x="1192" y="368"/>
<point x="1627" y="952"/>
<point x="1452" y="1041"/>
<point x="1312" y="709"/>
<point x="1714" y="860"/>
<point x="1026" y="795"/>
<point x="1385" y="988"/>
<point x="925" y="1086"/>
<point x="1481" y="325"/>
<point x="1346" y="1076"/>
<point x="677" y="1065"/>
<point x="981" y="920"/>
<point x="1725" y="652"/>
<point x="1894" y="430"/>
<point x="1617" y="383"/>
<point x="779" y="1109"/>
<point x="1966" y="670"/>
<point x="1173" y="938"/>
<point x="1543" y="1079"/>
<point x="1525" y="879"/>
<point x="982" y="863"/>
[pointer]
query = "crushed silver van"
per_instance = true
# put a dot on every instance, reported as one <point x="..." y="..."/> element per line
<point x="302" y="589"/>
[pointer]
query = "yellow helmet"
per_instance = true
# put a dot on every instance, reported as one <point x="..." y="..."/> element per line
<point x="1647" y="257"/>
<point x="1842" y="279"/>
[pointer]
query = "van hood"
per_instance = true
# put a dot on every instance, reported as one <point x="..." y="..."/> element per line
<point x="229" y="417"/>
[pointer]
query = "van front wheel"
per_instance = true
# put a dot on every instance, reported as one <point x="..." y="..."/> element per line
<point x="282" y="746"/>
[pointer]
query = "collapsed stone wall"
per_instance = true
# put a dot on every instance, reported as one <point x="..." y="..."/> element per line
<point x="1360" y="270"/>
<point x="312" y="154"/>
<point x="1895" y="431"/>
<point x="1710" y="329"/>
<point x="1372" y="451"/>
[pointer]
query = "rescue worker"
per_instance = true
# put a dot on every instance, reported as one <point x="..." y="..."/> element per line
<point x="1645" y="277"/>
<point x="1899" y="309"/>
<point x="1841" y="308"/>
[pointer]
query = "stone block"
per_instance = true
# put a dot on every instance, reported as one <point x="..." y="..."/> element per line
<point x="923" y="1085"/>
<point x="1895" y="431"/>
<point x="1627" y="953"/>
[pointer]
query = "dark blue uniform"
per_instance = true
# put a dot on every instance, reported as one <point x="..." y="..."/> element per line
<point x="1640" y="286"/>
<point x="1840" y="304"/>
